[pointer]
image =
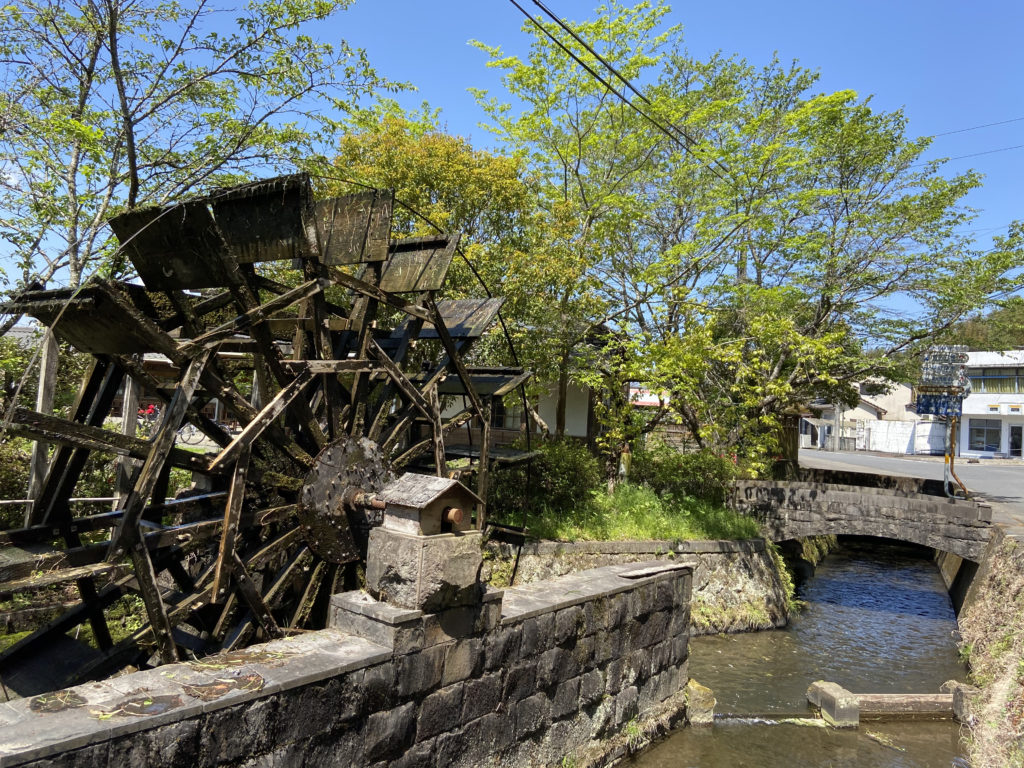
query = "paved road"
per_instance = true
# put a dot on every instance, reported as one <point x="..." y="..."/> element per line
<point x="1002" y="483"/>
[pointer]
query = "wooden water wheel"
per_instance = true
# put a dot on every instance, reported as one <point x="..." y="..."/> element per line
<point x="321" y="339"/>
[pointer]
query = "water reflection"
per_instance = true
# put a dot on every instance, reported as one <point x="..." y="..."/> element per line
<point x="742" y="744"/>
<point x="878" y="620"/>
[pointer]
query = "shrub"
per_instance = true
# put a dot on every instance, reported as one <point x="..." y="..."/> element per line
<point x="561" y="478"/>
<point x="15" y="457"/>
<point x="700" y="475"/>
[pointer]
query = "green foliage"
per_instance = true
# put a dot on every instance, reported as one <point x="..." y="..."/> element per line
<point x="564" y="497"/>
<point x="785" y="577"/>
<point x="19" y="374"/>
<point x="634" y="512"/>
<point x="123" y="103"/>
<point x="700" y="475"/>
<point x="561" y="478"/>
<point x="15" y="454"/>
<point x="795" y="245"/>
<point x="1000" y="329"/>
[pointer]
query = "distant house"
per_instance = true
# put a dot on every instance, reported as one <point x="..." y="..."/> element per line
<point x="884" y="422"/>
<point x="993" y="414"/>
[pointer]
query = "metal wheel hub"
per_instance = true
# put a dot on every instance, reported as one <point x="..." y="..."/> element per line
<point x="336" y="505"/>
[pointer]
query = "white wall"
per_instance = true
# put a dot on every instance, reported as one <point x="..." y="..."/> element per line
<point x="577" y="407"/>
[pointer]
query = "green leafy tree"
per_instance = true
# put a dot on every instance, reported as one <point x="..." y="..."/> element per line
<point x="780" y="246"/>
<point x="108" y="104"/>
<point x="589" y="155"/>
<point x="1000" y="329"/>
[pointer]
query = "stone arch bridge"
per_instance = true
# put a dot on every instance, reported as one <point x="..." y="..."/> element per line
<point x="824" y="502"/>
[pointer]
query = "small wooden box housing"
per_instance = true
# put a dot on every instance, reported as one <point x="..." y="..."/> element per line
<point x="425" y="505"/>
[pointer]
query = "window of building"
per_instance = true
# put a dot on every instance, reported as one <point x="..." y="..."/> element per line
<point x="1016" y="409"/>
<point x="993" y="409"/>
<point x="999" y="381"/>
<point x="506" y="415"/>
<point x="984" y="434"/>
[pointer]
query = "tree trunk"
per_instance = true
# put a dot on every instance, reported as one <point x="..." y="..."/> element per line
<point x="562" y="395"/>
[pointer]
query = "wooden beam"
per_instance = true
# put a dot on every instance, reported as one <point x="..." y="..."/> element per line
<point x="52" y="429"/>
<point x="48" y="359"/>
<point x="262" y="421"/>
<point x="251" y="317"/>
<point x="251" y="596"/>
<point x="331" y="366"/>
<point x="232" y="514"/>
<point x="373" y="292"/>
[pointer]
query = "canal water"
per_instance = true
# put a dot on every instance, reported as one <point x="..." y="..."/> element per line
<point x="877" y="620"/>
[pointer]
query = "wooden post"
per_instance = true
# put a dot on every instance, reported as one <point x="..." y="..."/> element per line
<point x="129" y="420"/>
<point x="44" y="404"/>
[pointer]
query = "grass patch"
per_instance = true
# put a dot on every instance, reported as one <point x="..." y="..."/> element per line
<point x="6" y="641"/>
<point x="636" y="512"/>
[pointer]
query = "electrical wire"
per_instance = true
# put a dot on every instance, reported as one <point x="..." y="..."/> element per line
<point x="963" y="157"/>
<point x="977" y="127"/>
<point x="685" y="142"/>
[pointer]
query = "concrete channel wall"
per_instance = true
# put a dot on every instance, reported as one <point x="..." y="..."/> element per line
<point x="535" y="675"/>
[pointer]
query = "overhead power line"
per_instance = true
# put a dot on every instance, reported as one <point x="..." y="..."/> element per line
<point x="973" y="154"/>
<point x="676" y="135"/>
<point x="977" y="127"/>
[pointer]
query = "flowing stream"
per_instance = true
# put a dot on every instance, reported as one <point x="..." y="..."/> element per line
<point x="877" y="620"/>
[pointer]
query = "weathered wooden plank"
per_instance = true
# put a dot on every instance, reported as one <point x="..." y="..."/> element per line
<point x="53" y="429"/>
<point x="355" y="228"/>
<point x="464" y="318"/>
<point x="232" y="514"/>
<point x="263" y="420"/>
<point x="170" y="247"/>
<point x="419" y="268"/>
<point x="263" y="221"/>
<point x="488" y="382"/>
<point x="41" y="580"/>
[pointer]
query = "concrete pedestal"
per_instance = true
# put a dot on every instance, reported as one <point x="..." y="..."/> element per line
<point x="425" y="573"/>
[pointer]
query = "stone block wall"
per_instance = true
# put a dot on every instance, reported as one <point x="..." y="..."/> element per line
<point x="526" y="678"/>
<point x="737" y="585"/>
<point x="794" y="510"/>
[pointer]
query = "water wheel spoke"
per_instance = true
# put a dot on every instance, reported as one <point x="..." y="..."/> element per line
<point x="251" y="597"/>
<point x="232" y="515"/>
<point x="263" y="420"/>
<point x="53" y="429"/>
<point x="305" y="604"/>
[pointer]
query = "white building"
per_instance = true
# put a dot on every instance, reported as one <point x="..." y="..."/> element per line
<point x="993" y="414"/>
<point x="883" y="420"/>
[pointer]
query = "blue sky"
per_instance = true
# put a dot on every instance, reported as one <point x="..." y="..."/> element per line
<point x="949" y="65"/>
